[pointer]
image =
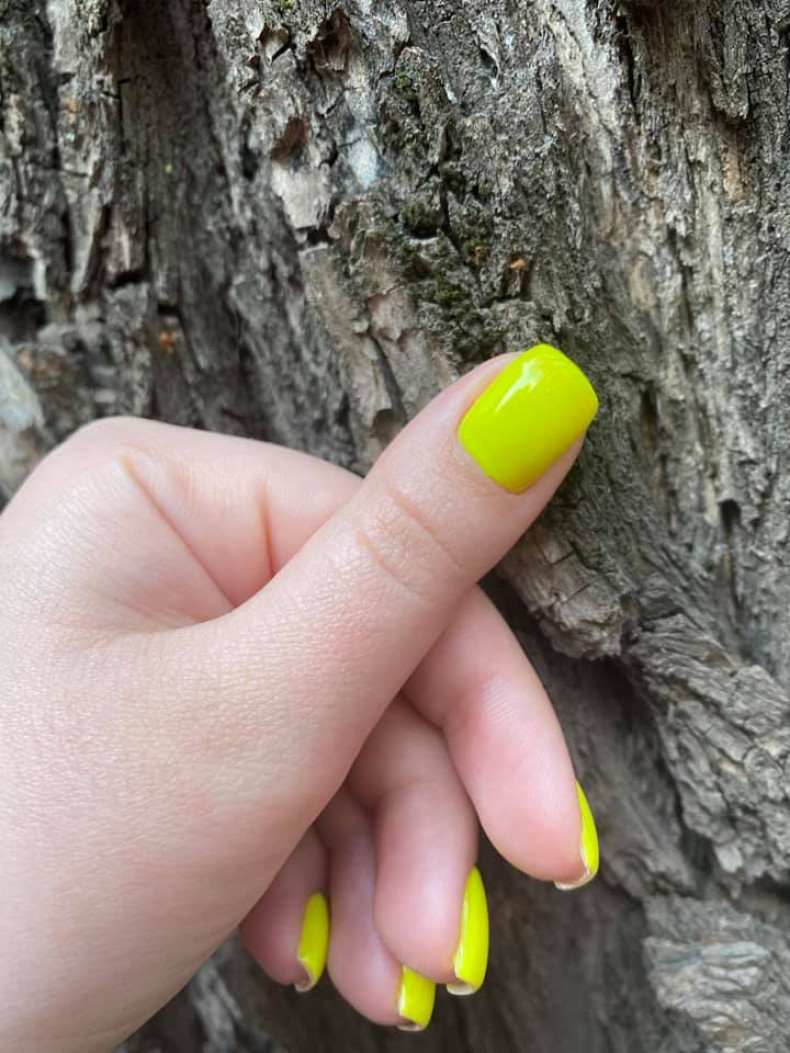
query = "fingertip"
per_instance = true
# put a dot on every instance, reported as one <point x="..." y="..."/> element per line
<point x="426" y="842"/>
<point x="363" y="970"/>
<point x="546" y="845"/>
<point x="507" y="746"/>
<point x="517" y="770"/>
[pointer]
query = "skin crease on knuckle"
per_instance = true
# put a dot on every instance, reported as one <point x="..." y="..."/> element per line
<point x="406" y="539"/>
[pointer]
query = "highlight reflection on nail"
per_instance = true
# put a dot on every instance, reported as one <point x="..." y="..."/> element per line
<point x="528" y="416"/>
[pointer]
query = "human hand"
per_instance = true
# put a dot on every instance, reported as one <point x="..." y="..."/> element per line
<point x="235" y="679"/>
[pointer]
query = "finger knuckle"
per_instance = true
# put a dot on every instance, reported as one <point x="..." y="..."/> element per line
<point x="87" y="458"/>
<point x="106" y="436"/>
<point x="113" y="449"/>
<point x="410" y="545"/>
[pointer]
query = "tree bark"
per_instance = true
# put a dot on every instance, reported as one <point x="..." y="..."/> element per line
<point x="299" y="219"/>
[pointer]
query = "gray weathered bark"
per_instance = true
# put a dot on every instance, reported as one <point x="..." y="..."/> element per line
<point x="298" y="219"/>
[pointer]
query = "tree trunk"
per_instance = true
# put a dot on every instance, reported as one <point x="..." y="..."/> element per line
<point x="297" y="220"/>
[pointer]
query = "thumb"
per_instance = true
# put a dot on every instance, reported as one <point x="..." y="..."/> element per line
<point x="305" y="668"/>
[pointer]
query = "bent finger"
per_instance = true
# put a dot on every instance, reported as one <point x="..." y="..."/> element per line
<point x="426" y="843"/>
<point x="478" y="686"/>
<point x="362" y="968"/>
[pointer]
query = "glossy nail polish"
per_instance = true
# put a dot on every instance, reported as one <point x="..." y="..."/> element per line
<point x="471" y="958"/>
<point x="588" y="849"/>
<point x="415" y="1000"/>
<point x="314" y="941"/>
<point x="532" y="412"/>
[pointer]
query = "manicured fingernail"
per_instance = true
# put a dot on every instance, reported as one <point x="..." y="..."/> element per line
<point x="314" y="941"/>
<point x="471" y="958"/>
<point x="533" y="411"/>
<point x="588" y="848"/>
<point x="415" y="1001"/>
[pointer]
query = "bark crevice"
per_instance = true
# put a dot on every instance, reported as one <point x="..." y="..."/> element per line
<point x="298" y="220"/>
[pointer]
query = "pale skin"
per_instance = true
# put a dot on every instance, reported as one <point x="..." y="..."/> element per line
<point x="232" y="675"/>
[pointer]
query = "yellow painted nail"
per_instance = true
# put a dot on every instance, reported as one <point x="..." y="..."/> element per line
<point x="415" y="1000"/>
<point x="589" y="846"/>
<point x="528" y="417"/>
<point x="314" y="941"/>
<point x="471" y="958"/>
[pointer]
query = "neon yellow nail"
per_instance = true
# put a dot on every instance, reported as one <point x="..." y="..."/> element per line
<point x="589" y="846"/>
<point x="314" y="941"/>
<point x="471" y="958"/>
<point x="415" y="1000"/>
<point x="528" y="417"/>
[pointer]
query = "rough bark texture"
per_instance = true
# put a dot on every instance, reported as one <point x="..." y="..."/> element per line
<point x="298" y="219"/>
